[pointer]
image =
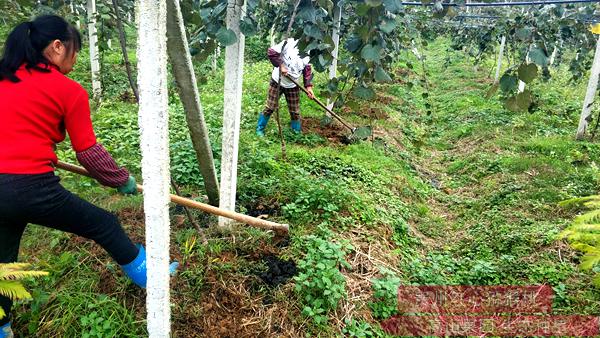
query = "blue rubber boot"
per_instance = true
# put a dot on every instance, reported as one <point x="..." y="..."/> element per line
<point x="296" y="126"/>
<point x="6" y="332"/>
<point x="137" y="272"/>
<point x="262" y="124"/>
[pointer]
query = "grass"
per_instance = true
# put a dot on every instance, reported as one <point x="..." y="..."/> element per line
<point x="466" y="195"/>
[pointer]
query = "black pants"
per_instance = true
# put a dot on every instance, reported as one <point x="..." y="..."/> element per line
<point x="40" y="199"/>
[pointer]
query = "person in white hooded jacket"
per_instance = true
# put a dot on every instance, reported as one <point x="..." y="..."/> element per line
<point x="291" y="64"/>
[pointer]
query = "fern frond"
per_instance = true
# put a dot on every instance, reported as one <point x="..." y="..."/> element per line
<point x="590" y="228"/>
<point x="13" y="290"/>
<point x="588" y="218"/>
<point x="584" y="232"/>
<point x="584" y="238"/>
<point x="15" y="271"/>
<point x="595" y="204"/>
<point x="578" y="201"/>
<point x="17" y="275"/>
<point x="583" y="247"/>
<point x="590" y="259"/>
<point x="14" y="266"/>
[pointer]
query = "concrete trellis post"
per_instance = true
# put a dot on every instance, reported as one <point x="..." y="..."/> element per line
<point x="500" y="56"/>
<point x="94" y="53"/>
<point x="232" y="109"/>
<point x="154" y="141"/>
<point x="337" y="21"/>
<point x="586" y="111"/>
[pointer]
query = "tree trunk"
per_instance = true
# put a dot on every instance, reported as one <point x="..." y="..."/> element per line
<point x="154" y="140"/>
<point x="337" y="20"/>
<point x="521" y="83"/>
<point x="123" y="42"/>
<point x="94" y="53"/>
<point x="272" y="34"/>
<point x="500" y="56"/>
<point x="586" y="111"/>
<point x="214" y="60"/>
<point x="185" y="78"/>
<point x="232" y="110"/>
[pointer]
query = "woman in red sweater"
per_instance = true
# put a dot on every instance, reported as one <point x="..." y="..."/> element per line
<point x="38" y="104"/>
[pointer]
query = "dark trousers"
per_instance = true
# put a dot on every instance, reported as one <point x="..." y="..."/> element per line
<point x="40" y="199"/>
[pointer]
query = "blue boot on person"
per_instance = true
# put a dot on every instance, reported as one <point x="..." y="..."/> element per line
<point x="136" y="270"/>
<point x="296" y="126"/>
<point x="262" y="124"/>
<point x="5" y="331"/>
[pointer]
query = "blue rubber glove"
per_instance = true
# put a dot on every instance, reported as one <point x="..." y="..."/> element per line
<point x="129" y="188"/>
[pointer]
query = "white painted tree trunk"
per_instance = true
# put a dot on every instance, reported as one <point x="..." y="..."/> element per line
<point x="94" y="52"/>
<point x="500" y="56"/>
<point x="337" y="21"/>
<point x="154" y="141"/>
<point x="183" y="71"/>
<point x="586" y="111"/>
<point x="232" y="110"/>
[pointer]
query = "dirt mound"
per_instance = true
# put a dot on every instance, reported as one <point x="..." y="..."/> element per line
<point x="261" y="207"/>
<point x="278" y="271"/>
<point x="333" y="132"/>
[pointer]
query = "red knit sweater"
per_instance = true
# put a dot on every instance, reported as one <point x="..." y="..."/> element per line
<point x="34" y="115"/>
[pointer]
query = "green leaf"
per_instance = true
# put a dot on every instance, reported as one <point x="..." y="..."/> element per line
<point x="374" y="3"/>
<point x="511" y="104"/>
<point x="364" y="93"/>
<point x="527" y="72"/>
<point x="381" y="75"/>
<point x="362" y="133"/>
<point x="388" y="25"/>
<point x="306" y="12"/>
<point x="226" y="36"/>
<point x="524" y="100"/>
<point x="362" y="9"/>
<point x="539" y="56"/>
<point x="313" y="31"/>
<point x="508" y="83"/>
<point x="248" y="27"/>
<point x="523" y="34"/>
<point x="392" y="6"/>
<point x="371" y="53"/>
<point x="493" y="89"/>
<point x="353" y="43"/>
<point x="355" y="106"/>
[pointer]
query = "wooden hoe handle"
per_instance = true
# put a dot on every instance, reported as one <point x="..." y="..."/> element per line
<point x="252" y="221"/>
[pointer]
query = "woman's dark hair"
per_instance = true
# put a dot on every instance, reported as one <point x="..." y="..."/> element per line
<point x="26" y="44"/>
